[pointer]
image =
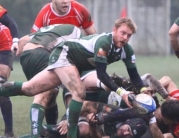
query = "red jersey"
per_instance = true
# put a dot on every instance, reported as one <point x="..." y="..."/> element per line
<point x="175" y="128"/>
<point x="77" y="15"/>
<point x="5" y="38"/>
<point x="2" y="10"/>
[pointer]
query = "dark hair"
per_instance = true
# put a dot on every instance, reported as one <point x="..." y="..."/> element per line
<point x="170" y="110"/>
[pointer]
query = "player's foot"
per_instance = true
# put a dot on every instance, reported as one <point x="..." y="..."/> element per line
<point x="9" y="135"/>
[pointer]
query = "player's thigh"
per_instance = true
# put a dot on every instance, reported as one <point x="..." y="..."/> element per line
<point x="90" y="80"/>
<point x="70" y="78"/>
<point x="43" y="81"/>
<point x="6" y="60"/>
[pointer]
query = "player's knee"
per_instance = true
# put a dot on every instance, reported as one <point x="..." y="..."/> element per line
<point x="146" y="76"/>
<point x="28" y="89"/>
<point x="166" y="78"/>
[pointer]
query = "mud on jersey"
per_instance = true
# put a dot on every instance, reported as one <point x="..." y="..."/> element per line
<point x="52" y="35"/>
<point x="97" y="48"/>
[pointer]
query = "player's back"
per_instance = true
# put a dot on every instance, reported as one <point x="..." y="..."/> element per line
<point x="52" y="35"/>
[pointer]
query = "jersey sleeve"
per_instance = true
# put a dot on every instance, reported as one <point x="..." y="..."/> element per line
<point x="102" y="48"/>
<point x="2" y="11"/>
<point x="39" y="19"/>
<point x="130" y="57"/>
<point x="87" y="20"/>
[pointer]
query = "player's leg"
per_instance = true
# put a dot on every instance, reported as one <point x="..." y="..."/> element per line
<point x="152" y="82"/>
<point x="6" y="59"/>
<point x="38" y="109"/>
<point x="40" y="83"/>
<point x="51" y="112"/>
<point x="71" y="80"/>
<point x="170" y="86"/>
<point x="6" y="110"/>
<point x="37" y="60"/>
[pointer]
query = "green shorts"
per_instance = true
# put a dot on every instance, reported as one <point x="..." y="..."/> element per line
<point x="34" y="61"/>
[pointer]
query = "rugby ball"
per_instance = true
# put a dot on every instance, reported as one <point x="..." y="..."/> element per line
<point x="144" y="103"/>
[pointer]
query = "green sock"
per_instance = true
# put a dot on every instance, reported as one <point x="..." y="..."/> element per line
<point x="11" y="89"/>
<point x="37" y="114"/>
<point x="73" y="116"/>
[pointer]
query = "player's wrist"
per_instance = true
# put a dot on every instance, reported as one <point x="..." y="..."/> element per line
<point x="120" y="91"/>
<point x="143" y="89"/>
<point x="15" y="40"/>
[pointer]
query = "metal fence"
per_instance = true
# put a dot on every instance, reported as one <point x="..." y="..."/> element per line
<point x="151" y="16"/>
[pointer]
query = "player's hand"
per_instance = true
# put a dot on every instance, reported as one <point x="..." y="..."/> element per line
<point x="63" y="127"/>
<point x="147" y="90"/>
<point x="91" y="118"/>
<point x="14" y="45"/>
<point x="125" y="98"/>
<point x="19" y="49"/>
<point x="124" y="95"/>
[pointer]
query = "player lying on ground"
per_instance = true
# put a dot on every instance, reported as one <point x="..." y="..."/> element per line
<point x="166" y="115"/>
<point x="87" y="130"/>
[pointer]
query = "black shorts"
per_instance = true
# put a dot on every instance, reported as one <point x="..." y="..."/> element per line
<point x="6" y="58"/>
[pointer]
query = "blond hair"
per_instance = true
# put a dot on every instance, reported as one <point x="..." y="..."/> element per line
<point x="126" y="21"/>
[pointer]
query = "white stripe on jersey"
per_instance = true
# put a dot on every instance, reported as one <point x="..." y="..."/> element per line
<point x="75" y="34"/>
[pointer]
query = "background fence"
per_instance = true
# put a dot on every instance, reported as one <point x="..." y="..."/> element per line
<point x="153" y="18"/>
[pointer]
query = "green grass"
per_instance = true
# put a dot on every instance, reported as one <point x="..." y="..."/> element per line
<point x="158" y="66"/>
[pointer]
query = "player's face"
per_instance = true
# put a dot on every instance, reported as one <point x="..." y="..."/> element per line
<point x="61" y="6"/>
<point x="124" y="131"/>
<point x="121" y="35"/>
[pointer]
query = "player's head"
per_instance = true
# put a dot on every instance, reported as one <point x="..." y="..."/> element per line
<point x="122" y="31"/>
<point x="169" y="110"/>
<point x="132" y="128"/>
<point x="61" y="6"/>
